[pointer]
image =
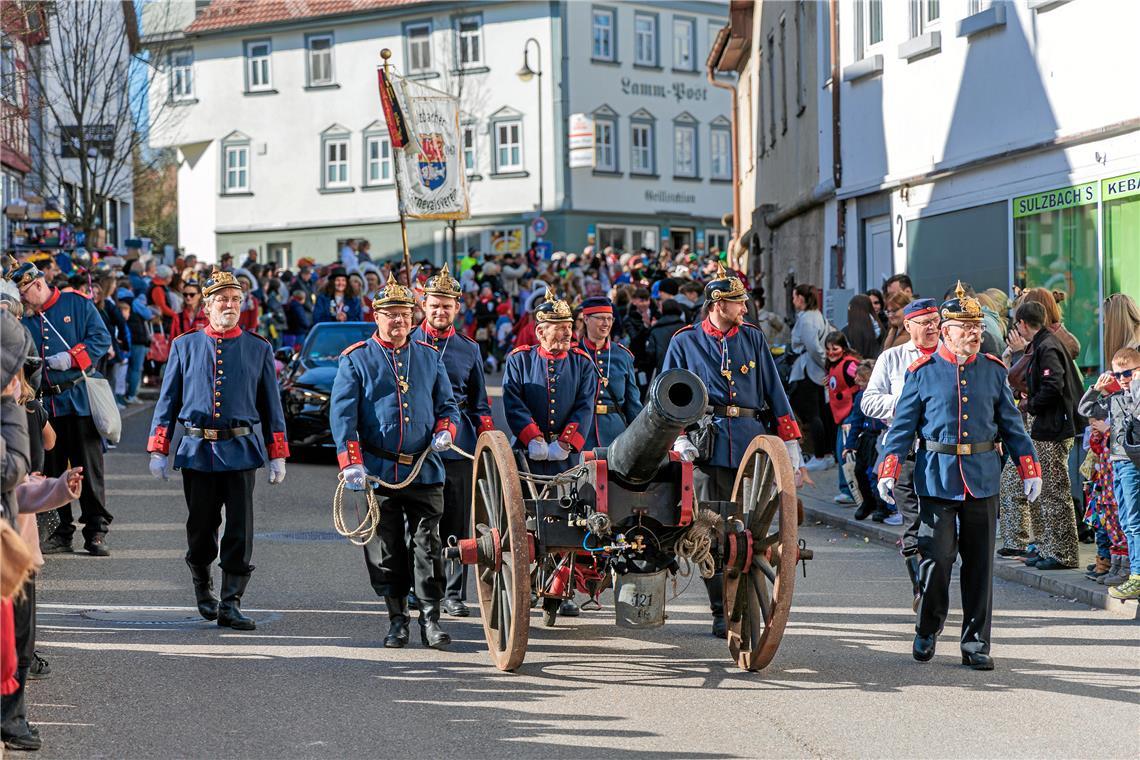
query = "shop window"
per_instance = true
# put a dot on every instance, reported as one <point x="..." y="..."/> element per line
<point x="1121" y="204"/>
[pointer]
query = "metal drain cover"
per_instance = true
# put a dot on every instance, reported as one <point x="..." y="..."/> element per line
<point x="304" y="535"/>
<point x="144" y="616"/>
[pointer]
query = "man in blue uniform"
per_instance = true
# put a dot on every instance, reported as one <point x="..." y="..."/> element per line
<point x="732" y="358"/>
<point x="71" y="337"/>
<point x="464" y="366"/>
<point x="618" y="399"/>
<point x="221" y="385"/>
<point x="393" y="408"/>
<point x="957" y="404"/>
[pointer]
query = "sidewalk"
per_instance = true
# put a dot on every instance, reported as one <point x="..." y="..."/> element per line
<point x="1070" y="584"/>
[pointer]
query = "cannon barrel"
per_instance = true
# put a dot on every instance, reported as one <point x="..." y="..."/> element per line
<point x="677" y="399"/>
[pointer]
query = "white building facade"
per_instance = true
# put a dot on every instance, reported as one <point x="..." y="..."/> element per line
<point x="283" y="147"/>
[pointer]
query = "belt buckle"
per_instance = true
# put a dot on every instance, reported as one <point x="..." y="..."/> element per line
<point x="209" y="434"/>
<point x="963" y="449"/>
<point x="405" y="458"/>
<point x="601" y="409"/>
<point x="732" y="410"/>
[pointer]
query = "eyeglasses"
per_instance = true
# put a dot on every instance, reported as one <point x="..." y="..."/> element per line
<point x="1123" y="375"/>
<point x="925" y="323"/>
<point x="968" y="327"/>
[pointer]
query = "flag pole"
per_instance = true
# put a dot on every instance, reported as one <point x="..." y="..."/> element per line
<point x="385" y="54"/>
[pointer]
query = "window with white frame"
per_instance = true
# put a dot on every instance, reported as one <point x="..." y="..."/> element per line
<point x="417" y="37"/>
<point x="470" y="41"/>
<point x="377" y="159"/>
<point x="868" y="25"/>
<point x="923" y="13"/>
<point x="977" y="6"/>
<point x="720" y="153"/>
<point x="182" y="74"/>
<point x="605" y="145"/>
<point x="684" y="53"/>
<point x="604" y="20"/>
<point x="334" y="161"/>
<point x="470" y="156"/>
<point x="508" y="146"/>
<point x="319" y="49"/>
<point x="684" y="150"/>
<point x="235" y="167"/>
<point x="645" y="39"/>
<point x="641" y="148"/>
<point x="258" y="74"/>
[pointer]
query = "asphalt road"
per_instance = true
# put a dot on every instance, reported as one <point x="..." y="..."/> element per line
<point x="136" y="674"/>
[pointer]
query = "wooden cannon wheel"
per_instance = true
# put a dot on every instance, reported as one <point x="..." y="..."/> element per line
<point x="503" y="579"/>
<point x="760" y="558"/>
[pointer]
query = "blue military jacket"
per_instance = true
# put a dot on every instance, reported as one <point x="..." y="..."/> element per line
<point x="738" y="371"/>
<point x="618" y="399"/>
<point x="464" y="365"/>
<point x="953" y="403"/>
<point x="85" y="337"/>
<point x="220" y="381"/>
<point x="387" y="399"/>
<point x="549" y="396"/>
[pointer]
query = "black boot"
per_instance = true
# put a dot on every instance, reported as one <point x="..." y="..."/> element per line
<point x="398" y="620"/>
<point x="229" y="611"/>
<point x="715" y="587"/>
<point x="923" y="650"/>
<point x="204" y="590"/>
<point x="430" y="633"/>
<point x="912" y="569"/>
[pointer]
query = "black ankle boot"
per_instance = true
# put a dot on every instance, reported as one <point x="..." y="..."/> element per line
<point x="229" y="610"/>
<point x="430" y="632"/>
<point x="923" y="649"/>
<point x="398" y="620"/>
<point x="715" y="588"/>
<point x="204" y="590"/>
<point x="913" y="566"/>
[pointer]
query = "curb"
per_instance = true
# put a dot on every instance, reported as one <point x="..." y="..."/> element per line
<point x="1070" y="584"/>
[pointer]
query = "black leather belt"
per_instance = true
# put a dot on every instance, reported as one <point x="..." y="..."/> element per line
<point x="212" y="434"/>
<point x="54" y="390"/>
<point x="960" y="449"/>
<point x="391" y="456"/>
<point x="733" y="411"/>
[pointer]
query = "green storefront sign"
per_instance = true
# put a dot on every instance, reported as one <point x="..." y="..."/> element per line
<point x="1121" y="187"/>
<point x="1053" y="200"/>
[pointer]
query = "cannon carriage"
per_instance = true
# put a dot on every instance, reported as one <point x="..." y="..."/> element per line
<point x="629" y="514"/>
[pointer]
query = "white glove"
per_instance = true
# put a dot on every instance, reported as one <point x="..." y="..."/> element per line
<point x="1032" y="488"/>
<point x="556" y="452"/>
<point x="536" y="450"/>
<point x="685" y="448"/>
<point x="60" y="361"/>
<point x="276" y="471"/>
<point x="794" y="454"/>
<point x="886" y="490"/>
<point x="354" y="476"/>
<point x="441" y="441"/>
<point x="158" y="466"/>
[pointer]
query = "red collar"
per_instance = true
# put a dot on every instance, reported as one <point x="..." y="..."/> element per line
<point x="589" y="344"/>
<point x="952" y="358"/>
<point x="437" y="334"/>
<point x="231" y="333"/>
<point x="926" y="351"/>
<point x="547" y="355"/>
<point x="711" y="329"/>
<point x="51" y="300"/>
<point x="390" y="346"/>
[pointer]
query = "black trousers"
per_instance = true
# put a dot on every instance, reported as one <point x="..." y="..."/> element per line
<point x="456" y="521"/>
<point x="907" y="502"/>
<point x="965" y="528"/>
<point x="809" y="407"/>
<point x="392" y="567"/>
<point x="78" y="442"/>
<point x="206" y="494"/>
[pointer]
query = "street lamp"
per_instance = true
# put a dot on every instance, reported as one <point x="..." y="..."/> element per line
<point x="526" y="73"/>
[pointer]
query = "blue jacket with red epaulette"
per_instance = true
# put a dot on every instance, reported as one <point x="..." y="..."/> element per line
<point x="219" y="382"/>
<point x="951" y="403"/>
<point x="78" y="330"/>
<point x="549" y="396"/>
<point x="385" y="406"/>
<point x="464" y="365"/>
<point x="618" y="399"/>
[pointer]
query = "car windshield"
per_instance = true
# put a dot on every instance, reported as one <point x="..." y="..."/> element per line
<point x="326" y="341"/>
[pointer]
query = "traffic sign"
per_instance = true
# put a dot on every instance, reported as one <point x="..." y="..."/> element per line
<point x="540" y="226"/>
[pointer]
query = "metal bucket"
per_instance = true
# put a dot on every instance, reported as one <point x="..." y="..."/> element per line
<point x="639" y="599"/>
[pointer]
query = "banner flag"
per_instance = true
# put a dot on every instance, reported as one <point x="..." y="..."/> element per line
<point x="430" y="169"/>
<point x="393" y="114"/>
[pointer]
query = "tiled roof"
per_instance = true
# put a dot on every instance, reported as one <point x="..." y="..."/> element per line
<point x="235" y="14"/>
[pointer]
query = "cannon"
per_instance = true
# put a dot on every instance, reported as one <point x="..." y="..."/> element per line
<point x="627" y="515"/>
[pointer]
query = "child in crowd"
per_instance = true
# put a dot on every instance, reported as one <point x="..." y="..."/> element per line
<point x="860" y="443"/>
<point x="1101" y="511"/>
<point x="1112" y="398"/>
<point x="841" y="389"/>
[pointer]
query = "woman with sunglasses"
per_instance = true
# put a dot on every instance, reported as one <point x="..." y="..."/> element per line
<point x="191" y="316"/>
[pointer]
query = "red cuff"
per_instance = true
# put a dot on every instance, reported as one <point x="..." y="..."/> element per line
<point x="787" y="428"/>
<point x="890" y="467"/>
<point x="350" y="455"/>
<point x="571" y="437"/>
<point x="486" y="423"/>
<point x="1028" y="468"/>
<point x="279" y="448"/>
<point x="445" y="424"/>
<point x="79" y="358"/>
<point x="158" y="443"/>
<point x="529" y="433"/>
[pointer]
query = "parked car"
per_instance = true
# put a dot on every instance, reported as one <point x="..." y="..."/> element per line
<point x="307" y="379"/>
